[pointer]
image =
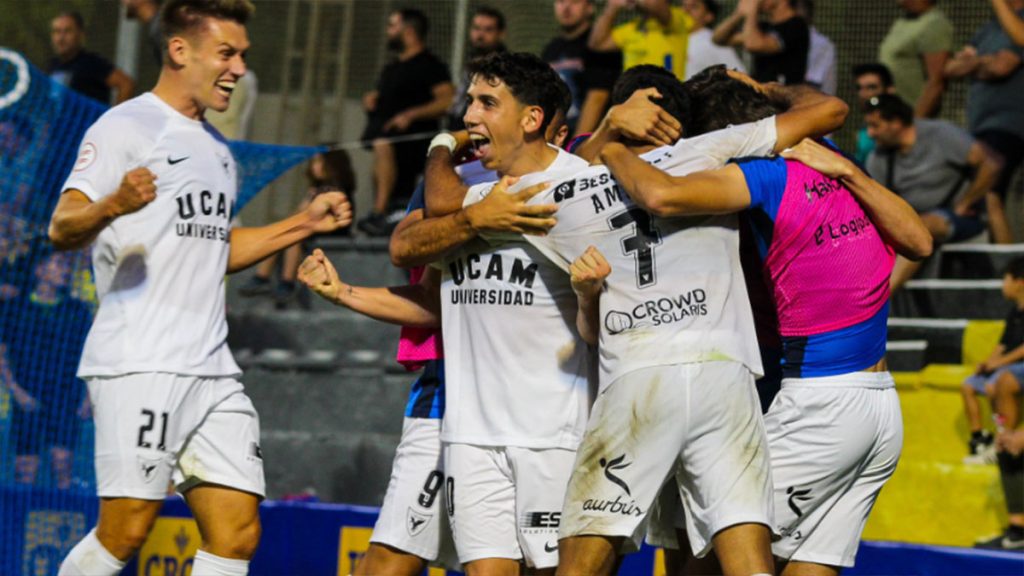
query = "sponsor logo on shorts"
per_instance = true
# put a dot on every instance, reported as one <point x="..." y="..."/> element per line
<point x="613" y="465"/>
<point x="550" y="547"/>
<point x="148" y="468"/>
<point x="254" y="451"/>
<point x="658" y="312"/>
<point x="617" y="506"/>
<point x="796" y="496"/>
<point x="540" y="522"/>
<point x="416" y="522"/>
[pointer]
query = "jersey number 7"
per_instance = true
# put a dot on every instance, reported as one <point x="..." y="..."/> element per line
<point x="640" y="244"/>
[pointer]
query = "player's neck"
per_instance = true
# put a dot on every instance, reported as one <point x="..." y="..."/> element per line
<point x="410" y="52"/>
<point x="574" y="33"/>
<point x="534" y="156"/>
<point x="168" y="89"/>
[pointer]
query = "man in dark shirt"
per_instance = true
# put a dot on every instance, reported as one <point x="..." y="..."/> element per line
<point x="486" y="36"/>
<point x="81" y="70"/>
<point x="779" y="44"/>
<point x="590" y="75"/>
<point x="37" y="365"/>
<point x="413" y="93"/>
<point x="146" y="12"/>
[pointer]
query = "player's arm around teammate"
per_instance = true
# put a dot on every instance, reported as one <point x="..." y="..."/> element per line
<point x="898" y="222"/>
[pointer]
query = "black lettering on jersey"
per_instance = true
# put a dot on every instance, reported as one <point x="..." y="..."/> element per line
<point x="595" y="182"/>
<point x="612" y="194"/>
<point x="470" y="268"/>
<point x="186" y="210"/>
<point x="523" y="275"/>
<point x="598" y="206"/>
<point x="494" y="269"/>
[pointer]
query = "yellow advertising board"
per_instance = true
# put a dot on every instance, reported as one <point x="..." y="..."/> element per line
<point x="170" y="548"/>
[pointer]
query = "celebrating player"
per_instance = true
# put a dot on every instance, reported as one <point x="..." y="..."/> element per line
<point x="834" y="431"/>
<point x="155" y="186"/>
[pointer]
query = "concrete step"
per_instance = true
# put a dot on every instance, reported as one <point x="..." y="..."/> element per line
<point x="940" y="298"/>
<point x="906" y="355"/>
<point x="977" y="260"/>
<point x="944" y="336"/>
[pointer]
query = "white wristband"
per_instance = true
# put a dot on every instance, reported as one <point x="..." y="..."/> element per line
<point x="443" y="139"/>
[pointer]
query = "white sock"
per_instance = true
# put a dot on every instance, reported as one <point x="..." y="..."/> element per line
<point x="90" y="558"/>
<point x="207" y="564"/>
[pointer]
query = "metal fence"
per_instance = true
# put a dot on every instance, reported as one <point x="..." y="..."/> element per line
<point x="315" y="58"/>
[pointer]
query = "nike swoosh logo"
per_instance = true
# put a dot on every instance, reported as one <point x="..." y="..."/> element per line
<point x="548" y="548"/>
<point x="173" y="161"/>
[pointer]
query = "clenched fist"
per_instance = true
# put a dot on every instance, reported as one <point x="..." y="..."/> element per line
<point x="317" y="272"/>
<point x="138" y="188"/>
<point x="329" y="211"/>
<point x="588" y="273"/>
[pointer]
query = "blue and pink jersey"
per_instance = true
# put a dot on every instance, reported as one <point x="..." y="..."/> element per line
<point x="825" y="265"/>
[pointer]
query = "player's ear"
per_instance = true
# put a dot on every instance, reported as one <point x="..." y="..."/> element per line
<point x="533" y="116"/>
<point x="177" y="51"/>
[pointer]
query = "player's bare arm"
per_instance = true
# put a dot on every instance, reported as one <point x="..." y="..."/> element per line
<point x="810" y="113"/>
<point x="326" y="213"/>
<point x="587" y="274"/>
<point x="443" y="190"/>
<point x="639" y="119"/>
<point x="895" y="219"/>
<point x="420" y="241"/>
<point x="600" y="39"/>
<point x="721" y="191"/>
<point x="416" y="305"/>
<point x="77" y="220"/>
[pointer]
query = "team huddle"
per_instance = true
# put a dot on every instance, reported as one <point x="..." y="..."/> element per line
<point x="591" y="325"/>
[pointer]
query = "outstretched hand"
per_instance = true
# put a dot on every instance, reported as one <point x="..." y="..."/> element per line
<point x="329" y="211"/>
<point x="588" y="273"/>
<point x="501" y="211"/>
<point x="317" y="272"/>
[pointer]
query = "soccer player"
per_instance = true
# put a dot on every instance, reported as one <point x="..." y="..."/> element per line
<point x="673" y="317"/>
<point x="155" y="186"/>
<point x="828" y="235"/>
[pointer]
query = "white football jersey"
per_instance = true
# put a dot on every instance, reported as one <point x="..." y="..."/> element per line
<point x="159" y="271"/>
<point x="676" y="292"/>
<point x="516" y="371"/>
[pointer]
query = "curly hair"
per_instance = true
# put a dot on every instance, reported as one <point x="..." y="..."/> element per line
<point x="719" y="100"/>
<point x="531" y="81"/>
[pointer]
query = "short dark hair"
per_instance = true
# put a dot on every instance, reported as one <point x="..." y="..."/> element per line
<point x="75" y="16"/>
<point x="179" y="17"/>
<point x="876" y="68"/>
<point x="531" y="80"/>
<point x="718" y="100"/>
<point x="713" y="7"/>
<point x="416" y="19"/>
<point x="674" y="98"/>
<point x="1015" y="269"/>
<point x="491" y="12"/>
<point x="891" y="107"/>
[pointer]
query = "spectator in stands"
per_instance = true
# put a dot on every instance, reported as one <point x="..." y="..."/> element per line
<point x="657" y="36"/>
<point x="589" y="75"/>
<point x="1004" y="368"/>
<point x="49" y="401"/>
<point x="701" y="52"/>
<point x="146" y="12"/>
<point x="821" y="57"/>
<point x="995" y="111"/>
<point x="413" y="93"/>
<point x="486" y="36"/>
<point x="916" y="50"/>
<point x="937" y="167"/>
<point x="870" y="80"/>
<point x="779" y="44"/>
<point x="83" y="71"/>
<point x="1011" y="21"/>
<point x="326" y="172"/>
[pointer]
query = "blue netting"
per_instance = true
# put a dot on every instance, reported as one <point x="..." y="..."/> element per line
<point x="46" y="304"/>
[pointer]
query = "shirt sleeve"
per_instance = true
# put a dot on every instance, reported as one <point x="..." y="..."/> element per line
<point x="766" y="180"/>
<point x="936" y="37"/>
<point x="956" y="143"/>
<point x="439" y="74"/>
<point x="751" y="139"/>
<point x="110" y="148"/>
<point x="681" y="22"/>
<point x="101" y="67"/>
